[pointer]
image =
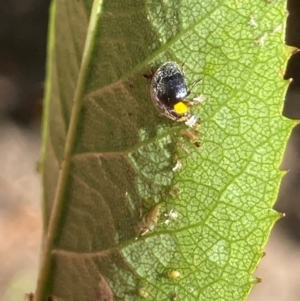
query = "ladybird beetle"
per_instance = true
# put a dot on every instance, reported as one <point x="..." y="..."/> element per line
<point x="168" y="91"/>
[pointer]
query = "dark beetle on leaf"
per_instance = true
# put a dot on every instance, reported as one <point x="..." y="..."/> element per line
<point x="168" y="91"/>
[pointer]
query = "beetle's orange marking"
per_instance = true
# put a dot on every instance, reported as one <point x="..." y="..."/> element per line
<point x="180" y="108"/>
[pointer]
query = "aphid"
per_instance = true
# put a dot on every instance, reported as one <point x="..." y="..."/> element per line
<point x="174" y="274"/>
<point x="143" y="293"/>
<point x="168" y="91"/>
<point x="149" y="221"/>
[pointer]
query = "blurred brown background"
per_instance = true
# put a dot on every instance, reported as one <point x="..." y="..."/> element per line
<point x="23" y="30"/>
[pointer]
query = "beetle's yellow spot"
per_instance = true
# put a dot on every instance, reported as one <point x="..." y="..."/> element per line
<point x="180" y="108"/>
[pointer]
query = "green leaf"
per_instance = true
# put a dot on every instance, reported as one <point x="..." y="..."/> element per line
<point x="109" y="156"/>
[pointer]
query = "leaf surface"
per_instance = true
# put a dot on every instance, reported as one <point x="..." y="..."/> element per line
<point x="109" y="156"/>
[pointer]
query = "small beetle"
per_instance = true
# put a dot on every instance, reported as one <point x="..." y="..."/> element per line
<point x="168" y="91"/>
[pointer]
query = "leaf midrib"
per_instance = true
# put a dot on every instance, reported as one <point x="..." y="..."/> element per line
<point x="55" y="213"/>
